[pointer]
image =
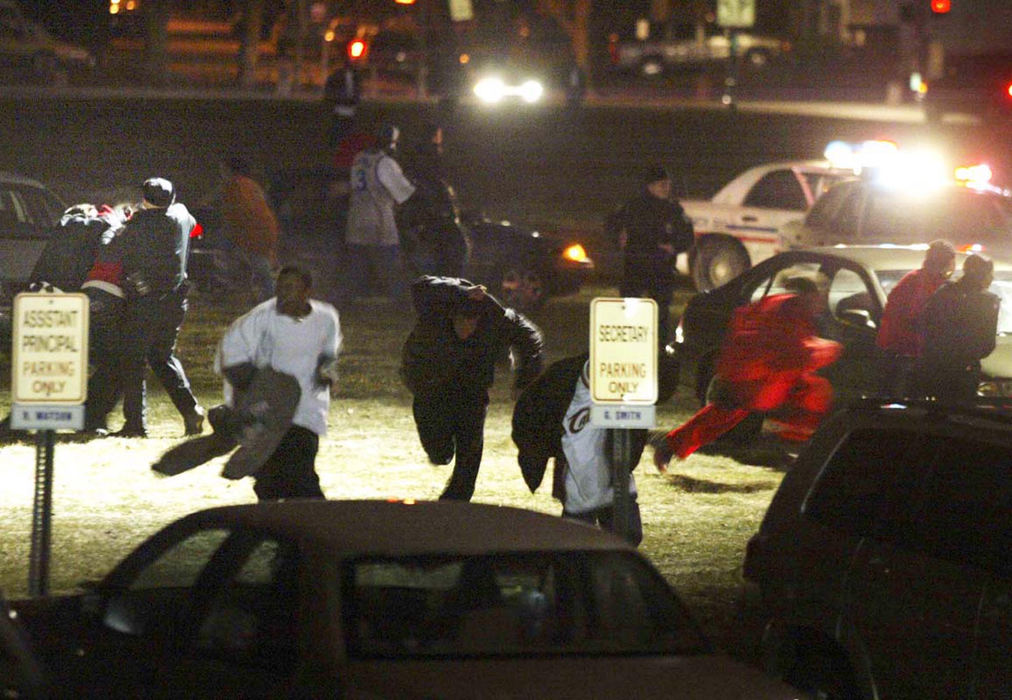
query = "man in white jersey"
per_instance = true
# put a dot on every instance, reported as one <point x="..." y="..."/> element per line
<point x="377" y="186"/>
<point x="294" y="335"/>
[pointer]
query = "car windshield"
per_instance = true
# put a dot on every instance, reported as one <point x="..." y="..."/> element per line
<point x="518" y="604"/>
<point x="1002" y="286"/>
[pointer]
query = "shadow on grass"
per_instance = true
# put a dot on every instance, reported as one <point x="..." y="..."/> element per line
<point x="691" y="485"/>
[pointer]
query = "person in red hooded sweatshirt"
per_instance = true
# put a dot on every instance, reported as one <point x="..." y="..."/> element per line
<point x="900" y="333"/>
<point x="767" y="364"/>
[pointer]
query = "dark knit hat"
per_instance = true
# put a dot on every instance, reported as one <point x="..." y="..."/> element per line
<point x="158" y="192"/>
<point x="654" y="172"/>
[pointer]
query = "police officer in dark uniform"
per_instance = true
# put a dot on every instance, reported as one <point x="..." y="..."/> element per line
<point x="341" y="94"/>
<point x="959" y="325"/>
<point x="651" y="229"/>
<point x="448" y="363"/>
<point x="156" y="247"/>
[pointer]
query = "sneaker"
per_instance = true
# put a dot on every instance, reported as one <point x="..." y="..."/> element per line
<point x="194" y="423"/>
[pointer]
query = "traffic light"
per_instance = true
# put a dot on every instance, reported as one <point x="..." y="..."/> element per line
<point x="941" y="7"/>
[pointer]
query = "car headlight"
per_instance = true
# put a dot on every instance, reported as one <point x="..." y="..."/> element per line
<point x="490" y="90"/>
<point x="531" y="91"/>
<point x="994" y="388"/>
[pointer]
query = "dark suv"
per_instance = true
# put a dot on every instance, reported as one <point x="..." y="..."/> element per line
<point x="883" y="567"/>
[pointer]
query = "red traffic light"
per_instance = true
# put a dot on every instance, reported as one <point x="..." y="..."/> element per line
<point x="940" y="7"/>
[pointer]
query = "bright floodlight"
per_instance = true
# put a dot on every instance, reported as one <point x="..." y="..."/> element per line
<point x="531" y="91"/>
<point x="490" y="90"/>
<point x="916" y="171"/>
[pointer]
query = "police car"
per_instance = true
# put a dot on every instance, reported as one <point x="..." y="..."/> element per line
<point x="742" y="224"/>
<point x="911" y="198"/>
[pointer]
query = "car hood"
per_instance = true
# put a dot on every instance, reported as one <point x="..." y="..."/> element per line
<point x="704" y="677"/>
<point x="999" y="363"/>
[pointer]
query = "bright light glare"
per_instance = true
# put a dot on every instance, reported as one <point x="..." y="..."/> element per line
<point x="531" y="91"/>
<point x="975" y="174"/>
<point x="856" y="157"/>
<point x="490" y="90"/>
<point x="914" y="171"/>
<point x="356" y="48"/>
<point x="575" y="252"/>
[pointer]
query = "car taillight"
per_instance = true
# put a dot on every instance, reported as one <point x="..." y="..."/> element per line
<point x="1008" y="90"/>
<point x="356" y="48"/>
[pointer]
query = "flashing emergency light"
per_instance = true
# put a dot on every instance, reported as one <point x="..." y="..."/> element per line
<point x="941" y="7"/>
<point x="857" y="157"/>
<point x="531" y="91"/>
<point x="975" y="175"/>
<point x="916" y="172"/>
<point x="356" y="49"/>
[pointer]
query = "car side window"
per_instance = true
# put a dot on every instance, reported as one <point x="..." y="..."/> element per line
<point x="852" y="489"/>
<point x="36" y="207"/>
<point x="252" y="616"/>
<point x="779" y="189"/>
<point x="959" y="506"/>
<point x="849" y="293"/>
<point x="180" y="565"/>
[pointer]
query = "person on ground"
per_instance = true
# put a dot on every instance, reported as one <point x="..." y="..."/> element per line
<point x="378" y="186"/>
<point x="155" y="251"/>
<point x="296" y="335"/>
<point x="651" y="229"/>
<point x="899" y="335"/>
<point x="250" y="224"/>
<point x="435" y="241"/>
<point x="448" y="364"/>
<point x="551" y="420"/>
<point x="767" y="363"/>
<point x="959" y="328"/>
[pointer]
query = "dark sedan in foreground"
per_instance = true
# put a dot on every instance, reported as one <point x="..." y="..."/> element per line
<point x="376" y="599"/>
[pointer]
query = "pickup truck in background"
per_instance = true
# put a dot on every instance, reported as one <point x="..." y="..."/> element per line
<point x="688" y="48"/>
<point x="743" y="223"/>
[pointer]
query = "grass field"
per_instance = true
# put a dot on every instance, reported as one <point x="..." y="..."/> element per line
<point x="697" y="517"/>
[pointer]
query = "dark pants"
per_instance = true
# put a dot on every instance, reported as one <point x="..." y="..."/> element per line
<point x="951" y="385"/>
<point x="605" y="519"/>
<point x="453" y="423"/>
<point x="637" y="282"/>
<point x="290" y="472"/>
<point x="897" y="375"/>
<point x="105" y="343"/>
<point x="372" y="269"/>
<point x="149" y="338"/>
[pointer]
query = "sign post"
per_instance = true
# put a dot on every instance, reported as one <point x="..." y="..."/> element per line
<point x="623" y="382"/>
<point x="49" y="385"/>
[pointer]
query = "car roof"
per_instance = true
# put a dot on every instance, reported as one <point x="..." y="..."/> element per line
<point x="412" y="527"/>
<point x="891" y="256"/>
<point x="15" y="179"/>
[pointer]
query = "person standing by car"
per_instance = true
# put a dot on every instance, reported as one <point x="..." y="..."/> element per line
<point x="250" y="225"/>
<point x="154" y="260"/>
<point x="378" y="186"/>
<point x="899" y="335"/>
<point x="438" y="244"/>
<point x="960" y="325"/>
<point x="295" y="335"/>
<point x="767" y="363"/>
<point x="651" y="230"/>
<point x="73" y="246"/>
<point x="448" y="364"/>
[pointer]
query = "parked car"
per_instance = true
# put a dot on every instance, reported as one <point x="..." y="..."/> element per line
<point x="380" y="599"/>
<point x="743" y="223"/>
<point x="687" y="46"/>
<point x="28" y="213"/>
<point x="858" y="280"/>
<point x="520" y="265"/>
<point x="27" y="49"/>
<point x="883" y="566"/>
<point x="978" y="85"/>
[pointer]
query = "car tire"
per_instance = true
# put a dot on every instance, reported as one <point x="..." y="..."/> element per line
<point x="717" y="261"/>
<point x="522" y="288"/>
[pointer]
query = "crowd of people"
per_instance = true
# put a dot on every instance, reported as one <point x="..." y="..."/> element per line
<point x="278" y="361"/>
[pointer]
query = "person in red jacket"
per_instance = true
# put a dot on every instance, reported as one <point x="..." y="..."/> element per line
<point x="767" y="363"/>
<point x="899" y="335"/>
